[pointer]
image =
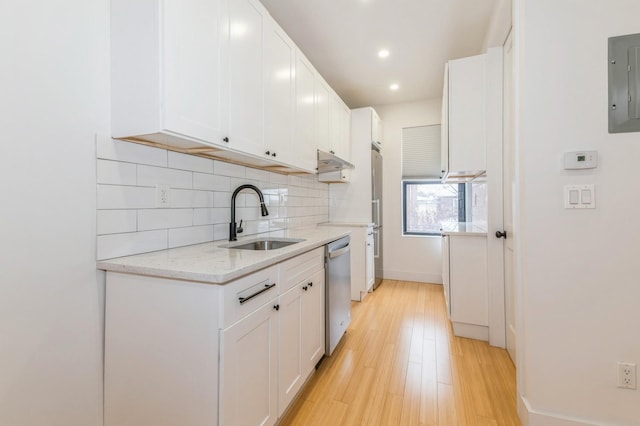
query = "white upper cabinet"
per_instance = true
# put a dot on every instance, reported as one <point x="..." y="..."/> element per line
<point x="322" y="108"/>
<point x="464" y="139"/>
<point x="304" y="129"/>
<point x="340" y="128"/>
<point x="247" y="19"/>
<point x="279" y="97"/>
<point x="217" y="78"/>
<point x="166" y="84"/>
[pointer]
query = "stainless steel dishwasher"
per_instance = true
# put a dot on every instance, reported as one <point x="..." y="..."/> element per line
<point x="338" y="292"/>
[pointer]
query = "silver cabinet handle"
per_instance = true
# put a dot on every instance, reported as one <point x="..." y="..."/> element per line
<point x="246" y="299"/>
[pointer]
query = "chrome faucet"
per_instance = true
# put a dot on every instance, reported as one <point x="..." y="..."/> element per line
<point x="233" y="227"/>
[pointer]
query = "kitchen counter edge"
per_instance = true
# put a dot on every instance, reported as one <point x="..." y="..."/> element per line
<point x="211" y="264"/>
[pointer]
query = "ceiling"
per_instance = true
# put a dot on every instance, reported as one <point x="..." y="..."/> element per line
<point x="342" y="39"/>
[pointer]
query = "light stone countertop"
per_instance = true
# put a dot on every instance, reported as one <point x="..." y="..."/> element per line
<point x="210" y="263"/>
<point x="348" y="224"/>
<point x="465" y="228"/>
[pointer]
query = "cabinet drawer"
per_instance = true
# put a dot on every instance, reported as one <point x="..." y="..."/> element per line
<point x="245" y="295"/>
<point x="300" y="268"/>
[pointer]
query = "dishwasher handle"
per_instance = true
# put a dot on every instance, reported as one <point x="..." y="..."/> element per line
<point x="339" y="252"/>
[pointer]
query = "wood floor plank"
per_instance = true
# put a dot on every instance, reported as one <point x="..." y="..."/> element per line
<point x="400" y="364"/>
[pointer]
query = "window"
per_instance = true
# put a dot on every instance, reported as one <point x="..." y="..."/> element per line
<point x="429" y="204"/>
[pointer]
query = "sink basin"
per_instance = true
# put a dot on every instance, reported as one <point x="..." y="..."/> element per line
<point x="263" y="244"/>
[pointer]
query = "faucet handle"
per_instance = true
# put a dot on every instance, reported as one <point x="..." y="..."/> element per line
<point x="239" y="230"/>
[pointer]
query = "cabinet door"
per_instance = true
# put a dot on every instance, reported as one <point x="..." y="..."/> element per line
<point x="468" y="280"/>
<point x="369" y="261"/>
<point x="279" y="95"/>
<point x="290" y="374"/>
<point x="340" y="128"/>
<point x="312" y="321"/>
<point x="191" y="69"/>
<point x="304" y="134"/>
<point x="322" y="106"/>
<point x="467" y="116"/>
<point x="245" y="68"/>
<point x="248" y="369"/>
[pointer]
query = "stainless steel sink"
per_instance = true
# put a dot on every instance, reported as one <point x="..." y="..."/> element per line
<point x="263" y="244"/>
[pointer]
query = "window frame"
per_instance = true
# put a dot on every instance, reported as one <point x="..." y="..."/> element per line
<point x="462" y="214"/>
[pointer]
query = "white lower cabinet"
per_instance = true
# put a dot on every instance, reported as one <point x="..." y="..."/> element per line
<point x="248" y="369"/>
<point x="465" y="284"/>
<point x="369" y="259"/>
<point x="290" y="374"/>
<point x="179" y="352"/>
<point x="312" y="329"/>
<point x="362" y="262"/>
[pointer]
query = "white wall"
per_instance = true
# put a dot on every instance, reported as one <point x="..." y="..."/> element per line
<point x="405" y="258"/>
<point x="580" y="280"/>
<point x="54" y="83"/>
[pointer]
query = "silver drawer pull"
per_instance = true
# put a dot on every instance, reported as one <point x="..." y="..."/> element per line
<point x="246" y="299"/>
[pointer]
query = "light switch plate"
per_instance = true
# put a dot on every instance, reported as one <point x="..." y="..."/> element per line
<point x="579" y="197"/>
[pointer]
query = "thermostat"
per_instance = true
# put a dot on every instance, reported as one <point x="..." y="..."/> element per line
<point x="580" y="160"/>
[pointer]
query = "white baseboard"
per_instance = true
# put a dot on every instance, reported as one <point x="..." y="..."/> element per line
<point x="412" y="276"/>
<point x="532" y="417"/>
<point x="471" y="331"/>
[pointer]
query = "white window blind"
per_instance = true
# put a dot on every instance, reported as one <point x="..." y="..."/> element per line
<point x="421" y="152"/>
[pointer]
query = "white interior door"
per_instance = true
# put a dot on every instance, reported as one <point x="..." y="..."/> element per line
<point x="509" y="186"/>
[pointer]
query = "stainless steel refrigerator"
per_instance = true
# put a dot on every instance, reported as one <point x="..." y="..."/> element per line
<point x="376" y="205"/>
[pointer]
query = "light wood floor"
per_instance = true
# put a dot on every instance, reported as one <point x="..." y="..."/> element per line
<point x="399" y="363"/>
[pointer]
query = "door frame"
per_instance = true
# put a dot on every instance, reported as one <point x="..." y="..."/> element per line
<point x="495" y="219"/>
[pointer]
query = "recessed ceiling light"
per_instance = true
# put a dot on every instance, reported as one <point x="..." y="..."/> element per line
<point x="383" y="53"/>
<point x="394" y="86"/>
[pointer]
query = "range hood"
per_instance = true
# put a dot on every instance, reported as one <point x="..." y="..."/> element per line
<point x="328" y="162"/>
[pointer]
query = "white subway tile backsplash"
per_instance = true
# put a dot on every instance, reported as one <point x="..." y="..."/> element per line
<point x="221" y="231"/>
<point x="211" y="182"/>
<point x="115" y="172"/>
<point x="164" y="218"/>
<point x="192" y="235"/>
<point x="190" y="162"/>
<point x="152" y="176"/>
<point x="129" y="222"/>
<point x="117" y="245"/>
<point x="228" y="169"/>
<point x="221" y="215"/>
<point x="247" y="213"/>
<point x="211" y="216"/>
<point x="203" y="217"/>
<point x="116" y="221"/>
<point x="110" y="149"/>
<point x="184" y="198"/>
<point x="222" y="199"/>
<point x="278" y="178"/>
<point x="125" y="197"/>
<point x="257" y="174"/>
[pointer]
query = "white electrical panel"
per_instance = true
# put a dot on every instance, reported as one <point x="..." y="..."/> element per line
<point x="579" y="197"/>
<point x="580" y="160"/>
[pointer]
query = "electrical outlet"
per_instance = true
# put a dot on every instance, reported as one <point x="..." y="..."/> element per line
<point x="163" y="193"/>
<point x="626" y="375"/>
